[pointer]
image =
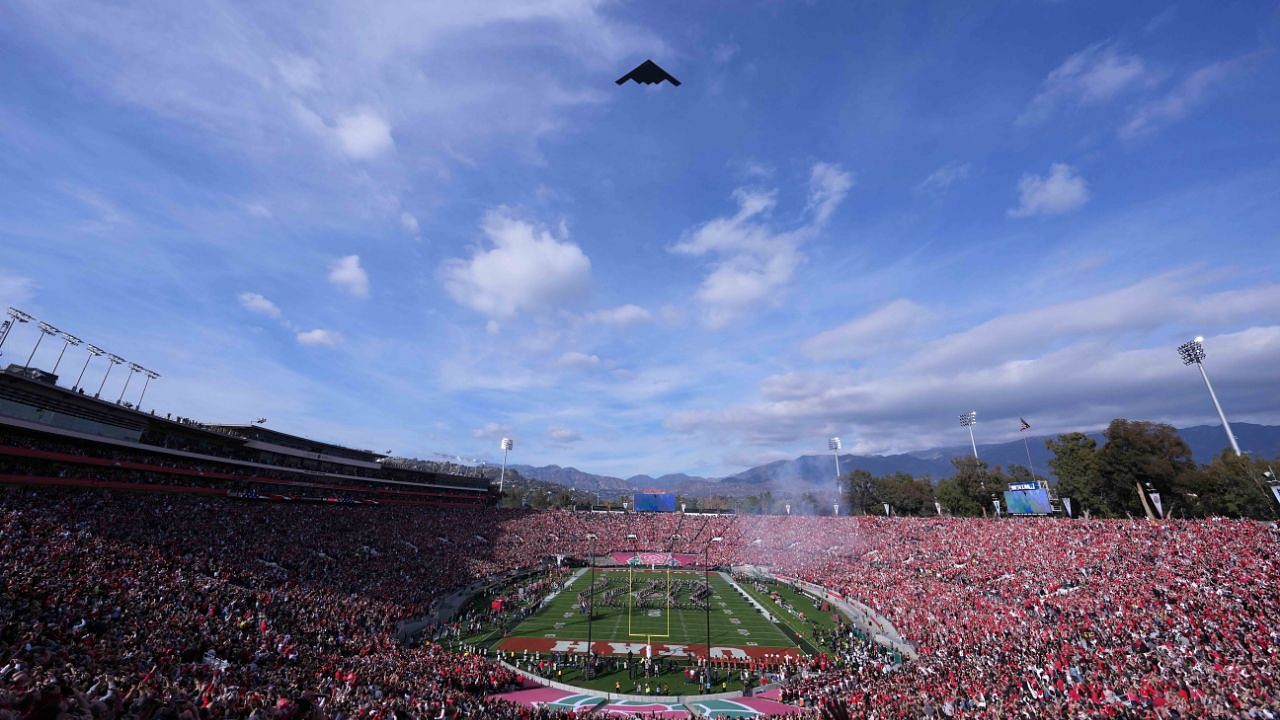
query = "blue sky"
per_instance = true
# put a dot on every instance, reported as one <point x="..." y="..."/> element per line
<point x="423" y="226"/>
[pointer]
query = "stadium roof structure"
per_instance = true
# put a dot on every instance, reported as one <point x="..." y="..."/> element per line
<point x="255" y="432"/>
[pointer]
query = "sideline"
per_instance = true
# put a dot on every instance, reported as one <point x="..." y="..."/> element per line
<point x="733" y="583"/>
<point x="873" y="623"/>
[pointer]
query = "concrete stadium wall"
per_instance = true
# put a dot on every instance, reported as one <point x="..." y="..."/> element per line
<point x="668" y="699"/>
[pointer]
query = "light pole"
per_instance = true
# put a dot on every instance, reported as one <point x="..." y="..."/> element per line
<point x="706" y="583"/>
<point x="506" y="448"/>
<point x="45" y="329"/>
<point x="112" y="361"/>
<point x="1193" y="354"/>
<point x="94" y="351"/>
<point x="68" y="340"/>
<point x="153" y="375"/>
<point x="591" y="604"/>
<point x="133" y="368"/>
<point x="16" y="317"/>
<point x="834" y="445"/>
<point x="968" y="420"/>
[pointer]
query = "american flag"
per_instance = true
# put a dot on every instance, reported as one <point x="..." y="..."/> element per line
<point x="1025" y="425"/>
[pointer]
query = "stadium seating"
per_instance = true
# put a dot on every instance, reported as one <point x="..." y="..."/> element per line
<point x="171" y="603"/>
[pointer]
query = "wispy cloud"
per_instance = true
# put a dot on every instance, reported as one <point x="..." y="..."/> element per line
<point x="622" y="316"/>
<point x="1173" y="105"/>
<point x="319" y="336"/>
<point x="873" y="332"/>
<point x="755" y="260"/>
<point x="257" y="303"/>
<point x="1078" y="363"/>
<point x="563" y="435"/>
<point x="941" y="180"/>
<point x="578" y="361"/>
<point x="1092" y="76"/>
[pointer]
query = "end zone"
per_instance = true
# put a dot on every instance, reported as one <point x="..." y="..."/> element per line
<point x="659" y="649"/>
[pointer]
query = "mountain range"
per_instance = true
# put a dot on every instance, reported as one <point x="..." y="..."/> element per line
<point x="817" y="472"/>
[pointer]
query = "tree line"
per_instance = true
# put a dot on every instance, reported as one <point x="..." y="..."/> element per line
<point x="1102" y="480"/>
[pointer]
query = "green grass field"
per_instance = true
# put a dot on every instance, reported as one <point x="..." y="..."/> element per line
<point x="734" y="621"/>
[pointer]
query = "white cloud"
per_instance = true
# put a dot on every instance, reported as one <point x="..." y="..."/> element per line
<point x="319" y="337"/>
<point x="578" y="361"/>
<point x="1176" y="103"/>
<point x="941" y="180"/>
<point x="299" y="73"/>
<point x="563" y="435"/>
<point x="491" y="431"/>
<point x="527" y="270"/>
<point x="724" y="52"/>
<point x="1074" y="364"/>
<point x="410" y="224"/>
<point x="1062" y="190"/>
<point x="258" y="210"/>
<point x="347" y="274"/>
<point x="363" y="134"/>
<point x="865" y="335"/>
<point x="828" y="185"/>
<point x="257" y="303"/>
<point x="1092" y="76"/>
<point x="756" y="261"/>
<point x="621" y="316"/>
<point x="15" y="289"/>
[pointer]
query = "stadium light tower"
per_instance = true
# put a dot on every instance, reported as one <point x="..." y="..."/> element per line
<point x="706" y="582"/>
<point x="16" y="317"/>
<point x="1193" y="354"/>
<point x="112" y="361"/>
<point x="45" y="329"/>
<point x="133" y="368"/>
<point x="94" y="351"/>
<point x="834" y="445"/>
<point x="591" y="604"/>
<point x="506" y="448"/>
<point x="151" y="375"/>
<point x="67" y="341"/>
<point x="968" y="420"/>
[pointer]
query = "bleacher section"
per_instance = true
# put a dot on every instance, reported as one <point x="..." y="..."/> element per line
<point x="51" y="435"/>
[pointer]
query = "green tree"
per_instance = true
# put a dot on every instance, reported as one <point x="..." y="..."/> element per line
<point x="905" y="493"/>
<point x="861" y="493"/>
<point x="954" y="500"/>
<point x="976" y="483"/>
<point x="1075" y="463"/>
<point x="1140" y="452"/>
<point x="1227" y="486"/>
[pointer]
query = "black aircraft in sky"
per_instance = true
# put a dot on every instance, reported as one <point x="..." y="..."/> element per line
<point x="649" y="73"/>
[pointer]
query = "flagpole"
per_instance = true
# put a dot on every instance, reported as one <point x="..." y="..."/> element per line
<point x="1030" y="467"/>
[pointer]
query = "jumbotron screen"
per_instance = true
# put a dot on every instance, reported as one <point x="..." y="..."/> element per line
<point x="655" y="502"/>
<point x="1028" y="502"/>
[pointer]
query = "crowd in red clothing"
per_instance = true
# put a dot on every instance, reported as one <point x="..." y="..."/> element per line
<point x="154" y="605"/>
<point x="1048" y="618"/>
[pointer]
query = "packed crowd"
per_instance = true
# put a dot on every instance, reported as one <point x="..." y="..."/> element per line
<point x="1048" y="618"/>
<point x="156" y="605"/>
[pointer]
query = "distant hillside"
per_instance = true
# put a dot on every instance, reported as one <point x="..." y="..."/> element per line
<point x="817" y="472"/>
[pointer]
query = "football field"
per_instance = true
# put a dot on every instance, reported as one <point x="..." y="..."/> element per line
<point x="652" y="611"/>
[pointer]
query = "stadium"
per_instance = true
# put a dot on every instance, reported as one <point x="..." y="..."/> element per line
<point x="610" y="359"/>
<point x="160" y="566"/>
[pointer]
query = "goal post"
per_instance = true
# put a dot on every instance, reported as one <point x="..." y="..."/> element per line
<point x="631" y="630"/>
